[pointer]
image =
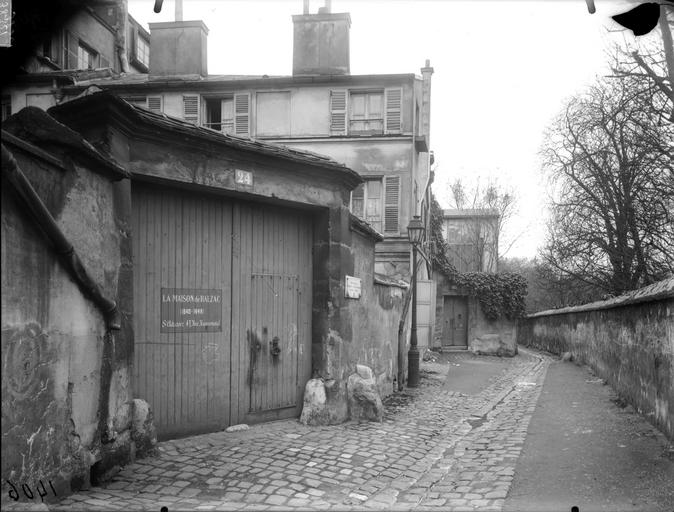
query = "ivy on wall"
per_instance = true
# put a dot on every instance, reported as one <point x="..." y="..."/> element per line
<point x="500" y="295"/>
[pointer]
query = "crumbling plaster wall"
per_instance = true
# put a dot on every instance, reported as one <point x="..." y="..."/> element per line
<point x="53" y="339"/>
<point x="349" y="331"/>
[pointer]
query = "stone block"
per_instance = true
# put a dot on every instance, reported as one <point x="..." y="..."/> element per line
<point x="143" y="431"/>
<point x="363" y="397"/>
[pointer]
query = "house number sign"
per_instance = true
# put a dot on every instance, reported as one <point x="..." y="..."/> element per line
<point x="243" y="178"/>
<point x="191" y="310"/>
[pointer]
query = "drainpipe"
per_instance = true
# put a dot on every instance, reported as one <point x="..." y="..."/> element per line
<point x="64" y="249"/>
<point x="73" y="265"/>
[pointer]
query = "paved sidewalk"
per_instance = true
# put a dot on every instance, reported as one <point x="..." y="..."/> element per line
<point x="585" y="448"/>
<point x="436" y="449"/>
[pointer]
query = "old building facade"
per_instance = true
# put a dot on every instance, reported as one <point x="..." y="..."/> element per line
<point x="202" y="274"/>
<point x="101" y="39"/>
<point x="378" y="125"/>
<point x="472" y="239"/>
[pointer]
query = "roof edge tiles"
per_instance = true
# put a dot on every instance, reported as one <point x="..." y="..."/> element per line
<point x="215" y="81"/>
<point x="36" y="127"/>
<point x="136" y="114"/>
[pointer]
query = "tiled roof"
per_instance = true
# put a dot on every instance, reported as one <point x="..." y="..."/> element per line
<point x="184" y="127"/>
<point x="36" y="126"/>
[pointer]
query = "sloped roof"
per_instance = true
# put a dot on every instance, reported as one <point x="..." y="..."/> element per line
<point x="34" y="125"/>
<point x="71" y="109"/>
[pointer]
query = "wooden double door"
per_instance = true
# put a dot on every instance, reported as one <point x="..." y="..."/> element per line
<point x="455" y="321"/>
<point x="222" y="309"/>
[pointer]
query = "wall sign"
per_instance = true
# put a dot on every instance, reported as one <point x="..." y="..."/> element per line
<point x="352" y="288"/>
<point x="191" y="310"/>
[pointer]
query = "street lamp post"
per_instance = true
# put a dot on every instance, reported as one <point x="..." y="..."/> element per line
<point x="415" y="232"/>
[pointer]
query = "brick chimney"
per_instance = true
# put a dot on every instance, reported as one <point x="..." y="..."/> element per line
<point x="178" y="48"/>
<point x="321" y="42"/>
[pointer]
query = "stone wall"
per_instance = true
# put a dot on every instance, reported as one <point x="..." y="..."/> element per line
<point x="628" y="341"/>
<point x="66" y="398"/>
<point x="351" y="331"/>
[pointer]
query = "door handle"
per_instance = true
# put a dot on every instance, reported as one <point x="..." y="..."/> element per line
<point x="275" y="348"/>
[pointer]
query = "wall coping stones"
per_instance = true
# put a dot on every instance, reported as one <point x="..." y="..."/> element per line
<point x="657" y="291"/>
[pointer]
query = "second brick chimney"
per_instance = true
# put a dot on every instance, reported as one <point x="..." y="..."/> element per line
<point x="321" y="42"/>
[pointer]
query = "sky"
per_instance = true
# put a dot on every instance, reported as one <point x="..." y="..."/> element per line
<point x="502" y="71"/>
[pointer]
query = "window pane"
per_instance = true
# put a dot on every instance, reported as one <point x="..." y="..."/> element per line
<point x="376" y="105"/>
<point x="143" y="51"/>
<point x="358" y="105"/>
<point x="374" y="189"/>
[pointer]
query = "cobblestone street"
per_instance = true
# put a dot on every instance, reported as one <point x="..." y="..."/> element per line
<point x="437" y="448"/>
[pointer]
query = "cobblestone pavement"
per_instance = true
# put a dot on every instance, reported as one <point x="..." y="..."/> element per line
<point x="436" y="449"/>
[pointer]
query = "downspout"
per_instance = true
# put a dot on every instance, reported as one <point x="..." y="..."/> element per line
<point x="121" y="34"/>
<point x="64" y="249"/>
<point x="72" y="263"/>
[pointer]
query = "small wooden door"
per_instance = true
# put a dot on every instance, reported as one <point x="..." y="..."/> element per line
<point x="455" y="321"/>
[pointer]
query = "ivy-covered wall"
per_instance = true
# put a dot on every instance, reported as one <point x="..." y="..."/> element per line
<point x="489" y="336"/>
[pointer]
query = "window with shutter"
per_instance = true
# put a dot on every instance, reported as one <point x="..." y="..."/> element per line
<point x="394" y="110"/>
<point x="154" y="103"/>
<point x="191" y="108"/>
<point x="391" y="203"/>
<point x="338" y="112"/>
<point x="242" y="114"/>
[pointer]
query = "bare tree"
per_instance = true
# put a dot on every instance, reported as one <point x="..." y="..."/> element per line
<point x="610" y="163"/>
<point x="488" y="211"/>
<point x="651" y="58"/>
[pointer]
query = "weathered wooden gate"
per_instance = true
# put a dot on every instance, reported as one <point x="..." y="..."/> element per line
<point x="222" y="312"/>
<point x="455" y="321"/>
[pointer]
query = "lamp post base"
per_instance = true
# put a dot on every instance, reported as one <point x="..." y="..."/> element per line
<point x="413" y="368"/>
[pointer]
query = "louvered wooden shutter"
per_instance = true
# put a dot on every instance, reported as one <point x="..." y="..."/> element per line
<point x="338" y="112"/>
<point x="394" y="121"/>
<point x="242" y="114"/>
<point x="154" y="103"/>
<point x="191" y="108"/>
<point x="391" y="203"/>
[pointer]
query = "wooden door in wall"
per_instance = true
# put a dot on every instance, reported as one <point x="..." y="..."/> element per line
<point x="213" y="276"/>
<point x="455" y="321"/>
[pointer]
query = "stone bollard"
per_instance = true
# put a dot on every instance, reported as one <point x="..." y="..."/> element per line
<point x="363" y="396"/>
